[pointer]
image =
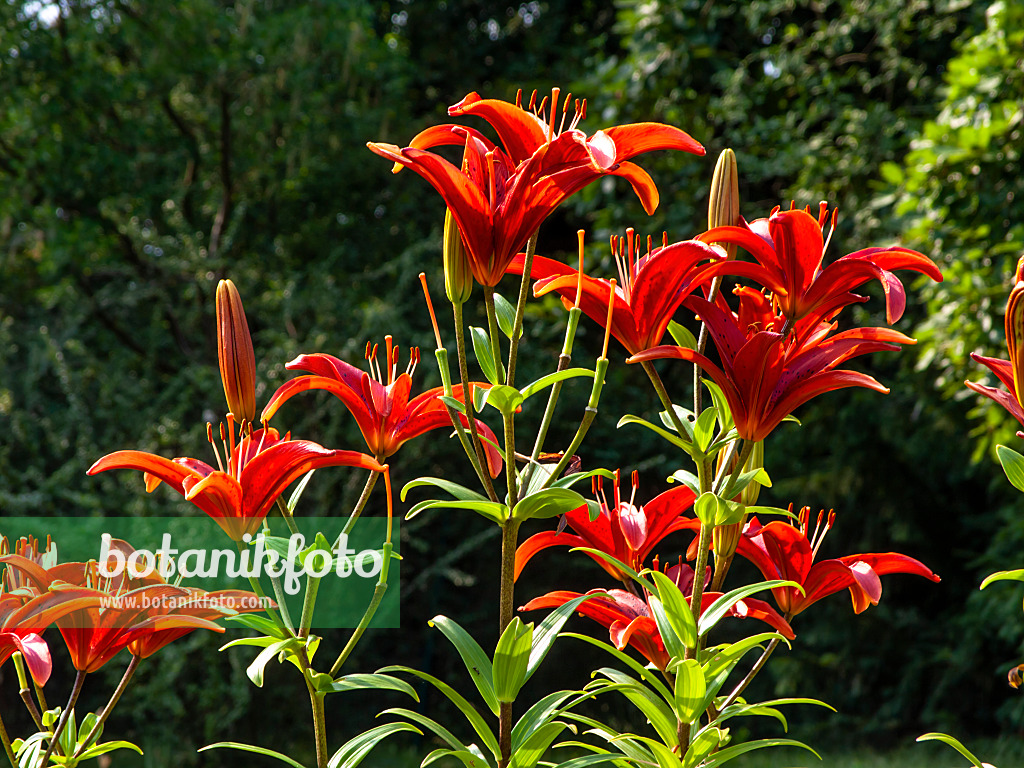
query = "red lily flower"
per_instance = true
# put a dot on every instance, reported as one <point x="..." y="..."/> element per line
<point x="765" y="375"/>
<point x="100" y="616"/>
<point x="789" y="248"/>
<point x="385" y="414"/>
<point x="630" y="621"/>
<point x="784" y="551"/>
<point x="622" y="530"/>
<point x="1009" y="372"/>
<point x="648" y="291"/>
<point x="500" y="197"/>
<point x="260" y="467"/>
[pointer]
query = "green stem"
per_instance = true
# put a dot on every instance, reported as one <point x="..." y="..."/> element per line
<point x="758" y="665"/>
<point x="308" y="604"/>
<point x="464" y="438"/>
<point x="506" y="610"/>
<point x="493" y="334"/>
<point x="6" y="740"/>
<point x="316" y="701"/>
<point x="65" y="715"/>
<point x="510" y="464"/>
<point x="286" y="513"/>
<point x="363" y="498"/>
<point x="460" y="344"/>
<point x="549" y="411"/>
<point x="517" y="325"/>
<point x="125" y="678"/>
<point x="371" y="609"/>
<point x="284" y="621"/>
<point x="40" y="697"/>
<point x="666" y="401"/>
<point x="24" y="693"/>
<point x="702" y="342"/>
<point x="589" y="414"/>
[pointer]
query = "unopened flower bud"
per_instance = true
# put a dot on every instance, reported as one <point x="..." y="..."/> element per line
<point x="725" y="538"/>
<point x="458" y="277"/>
<point x="1015" y="330"/>
<point x="724" y="201"/>
<point x="235" y="353"/>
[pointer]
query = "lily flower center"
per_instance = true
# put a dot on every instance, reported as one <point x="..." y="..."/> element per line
<point x="546" y="113"/>
<point x="386" y="376"/>
<point x="628" y="262"/>
<point x="820" y="530"/>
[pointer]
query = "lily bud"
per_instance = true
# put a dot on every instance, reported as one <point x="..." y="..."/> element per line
<point x="724" y="202"/>
<point x="235" y="354"/>
<point x="458" y="277"/>
<point x="725" y="538"/>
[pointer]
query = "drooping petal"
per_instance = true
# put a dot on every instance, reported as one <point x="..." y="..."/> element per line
<point x="636" y="138"/>
<point x="33" y="649"/>
<point x="541" y="541"/>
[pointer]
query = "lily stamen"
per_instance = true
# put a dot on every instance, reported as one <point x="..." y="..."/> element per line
<point x="579" y="279"/>
<point x="389" y="351"/>
<point x="636" y="485"/>
<point x="608" y="321"/>
<point x="209" y="438"/>
<point x="430" y="310"/>
<point x="551" y="117"/>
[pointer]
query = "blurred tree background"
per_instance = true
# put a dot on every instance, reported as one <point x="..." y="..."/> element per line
<point x="148" y="149"/>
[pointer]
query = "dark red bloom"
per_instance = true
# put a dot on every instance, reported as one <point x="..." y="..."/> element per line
<point x="622" y="530"/>
<point x="630" y="621"/>
<point x="385" y="414"/>
<point x="784" y="551"/>
<point x="239" y="496"/>
<point x="1009" y="372"/>
<point x="789" y="248"/>
<point x="499" y="197"/>
<point x="648" y="291"/>
<point x="766" y="375"/>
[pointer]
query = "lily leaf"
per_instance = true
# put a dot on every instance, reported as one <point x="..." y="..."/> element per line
<point x="259" y="623"/>
<point x="255" y="670"/>
<point x="505" y="399"/>
<point x="689" y="691"/>
<point x="473" y="656"/>
<point x="355" y="749"/>
<point x="687" y="478"/>
<point x="618" y="564"/>
<point x="537" y="716"/>
<point x="649" y="676"/>
<point x="251" y="748"/>
<point x="551" y="502"/>
<point x="458" y="491"/>
<point x="547" y="631"/>
<point x="443" y="733"/>
<point x="721" y="404"/>
<point x="456" y="405"/>
<point x="1017" y="575"/>
<point x="492" y="510"/>
<point x="531" y="750"/>
<point x="954" y="743"/>
<point x="479" y="725"/>
<point x="674" y="439"/>
<point x="482" y="349"/>
<point x="511" y="659"/>
<point x="678" y="611"/>
<point x="546" y="381"/>
<point x="703" y="743"/>
<point x="506" y="315"/>
<point x="673" y="643"/>
<point x="721" y="606"/>
<point x="654" y="709"/>
<point x="724" y="755"/>
<point x="108" y="746"/>
<point x="706" y="508"/>
<point x="1013" y="466"/>
<point x="358" y="681"/>
<point x="704" y="428"/>
<point x="685" y="418"/>
<point x="681" y="335"/>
